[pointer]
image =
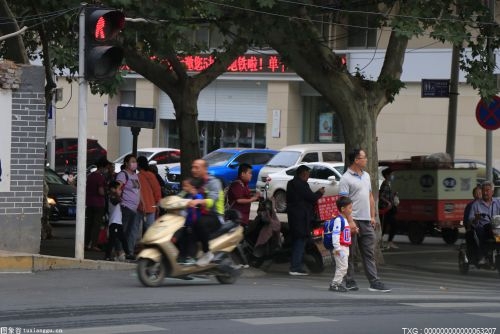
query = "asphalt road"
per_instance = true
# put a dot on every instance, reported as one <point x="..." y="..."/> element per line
<point x="428" y="296"/>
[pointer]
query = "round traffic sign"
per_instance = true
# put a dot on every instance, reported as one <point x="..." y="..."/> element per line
<point x="488" y="115"/>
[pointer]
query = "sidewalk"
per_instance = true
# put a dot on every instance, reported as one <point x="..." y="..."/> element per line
<point x="58" y="253"/>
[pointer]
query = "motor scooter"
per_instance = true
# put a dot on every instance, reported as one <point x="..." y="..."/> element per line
<point x="468" y="250"/>
<point x="158" y="258"/>
<point x="278" y="247"/>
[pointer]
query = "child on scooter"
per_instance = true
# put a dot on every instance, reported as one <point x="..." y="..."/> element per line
<point x="341" y="239"/>
<point x="187" y="242"/>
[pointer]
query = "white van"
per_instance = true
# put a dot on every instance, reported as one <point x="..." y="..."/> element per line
<point x="297" y="154"/>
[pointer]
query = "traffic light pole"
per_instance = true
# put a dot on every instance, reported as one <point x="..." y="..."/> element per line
<point x="82" y="142"/>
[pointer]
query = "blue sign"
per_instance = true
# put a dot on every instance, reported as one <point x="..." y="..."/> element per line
<point x="435" y="87"/>
<point x="136" y="117"/>
<point x="488" y="115"/>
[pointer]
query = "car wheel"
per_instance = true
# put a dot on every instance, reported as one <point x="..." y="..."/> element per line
<point x="280" y="201"/>
<point x="416" y="233"/>
<point x="450" y="235"/>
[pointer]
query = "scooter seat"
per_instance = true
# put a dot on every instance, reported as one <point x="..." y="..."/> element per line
<point x="226" y="227"/>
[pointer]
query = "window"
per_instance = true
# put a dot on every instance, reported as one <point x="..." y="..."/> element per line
<point x="245" y="158"/>
<point x="362" y="31"/>
<point x="311" y="157"/>
<point x="261" y="158"/>
<point x="332" y="156"/>
<point x="322" y="172"/>
<point x="291" y="172"/>
<point x="167" y="157"/>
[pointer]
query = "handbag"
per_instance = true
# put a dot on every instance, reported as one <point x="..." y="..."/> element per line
<point x="103" y="236"/>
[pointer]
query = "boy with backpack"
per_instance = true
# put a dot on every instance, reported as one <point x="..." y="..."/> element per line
<point x="337" y="238"/>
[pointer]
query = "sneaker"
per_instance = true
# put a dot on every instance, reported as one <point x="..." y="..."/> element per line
<point x="130" y="257"/>
<point x="337" y="288"/>
<point x="392" y="245"/>
<point x="298" y="273"/>
<point x="205" y="259"/>
<point x="378" y="286"/>
<point x="351" y="285"/>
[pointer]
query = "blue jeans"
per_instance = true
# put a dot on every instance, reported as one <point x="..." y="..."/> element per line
<point x="298" y="246"/>
<point x="130" y="228"/>
<point x="145" y="219"/>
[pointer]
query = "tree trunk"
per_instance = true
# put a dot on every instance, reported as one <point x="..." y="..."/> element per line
<point x="14" y="46"/>
<point x="186" y="115"/>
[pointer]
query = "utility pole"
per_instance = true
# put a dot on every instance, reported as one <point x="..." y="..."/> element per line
<point x="453" y="102"/>
<point x="81" y="183"/>
<point x="489" y="133"/>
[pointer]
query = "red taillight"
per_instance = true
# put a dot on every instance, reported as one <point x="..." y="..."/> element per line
<point x="317" y="232"/>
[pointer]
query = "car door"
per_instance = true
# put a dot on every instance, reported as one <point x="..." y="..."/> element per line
<point x="319" y="178"/>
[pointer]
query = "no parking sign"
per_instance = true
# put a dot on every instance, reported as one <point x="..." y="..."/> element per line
<point x="488" y="115"/>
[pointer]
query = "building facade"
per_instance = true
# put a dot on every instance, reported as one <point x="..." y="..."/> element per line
<point x="272" y="107"/>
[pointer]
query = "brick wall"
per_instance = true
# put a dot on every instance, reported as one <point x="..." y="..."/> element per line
<point x="21" y="207"/>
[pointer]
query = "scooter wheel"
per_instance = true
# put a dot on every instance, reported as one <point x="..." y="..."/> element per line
<point x="230" y="279"/>
<point x="150" y="273"/>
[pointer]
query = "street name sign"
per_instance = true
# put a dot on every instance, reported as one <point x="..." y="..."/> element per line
<point x="135" y="117"/>
<point x="435" y="88"/>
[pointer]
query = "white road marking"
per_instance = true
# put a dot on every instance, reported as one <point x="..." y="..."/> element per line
<point x="283" y="320"/>
<point x="488" y="315"/>
<point x="115" y="329"/>
<point x="453" y="305"/>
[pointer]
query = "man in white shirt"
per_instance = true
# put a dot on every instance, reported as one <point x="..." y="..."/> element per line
<point x="356" y="184"/>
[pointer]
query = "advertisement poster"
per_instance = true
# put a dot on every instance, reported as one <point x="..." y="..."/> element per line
<point x="5" y="138"/>
<point x="325" y="127"/>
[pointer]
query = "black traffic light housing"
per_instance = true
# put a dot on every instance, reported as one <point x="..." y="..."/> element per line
<point x="102" y="57"/>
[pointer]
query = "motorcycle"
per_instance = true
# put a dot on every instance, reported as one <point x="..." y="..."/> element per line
<point x="268" y="239"/>
<point x="468" y="250"/>
<point x="158" y="258"/>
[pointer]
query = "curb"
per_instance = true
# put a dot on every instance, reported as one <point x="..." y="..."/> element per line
<point x="28" y="263"/>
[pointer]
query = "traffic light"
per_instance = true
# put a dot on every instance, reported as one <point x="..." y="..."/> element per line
<point x="102" y="56"/>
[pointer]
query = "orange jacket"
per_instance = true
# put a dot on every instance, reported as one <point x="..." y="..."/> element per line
<point x="150" y="191"/>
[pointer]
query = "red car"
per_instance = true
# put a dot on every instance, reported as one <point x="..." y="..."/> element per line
<point x="67" y="153"/>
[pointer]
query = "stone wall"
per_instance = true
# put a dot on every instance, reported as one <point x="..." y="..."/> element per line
<point x="21" y="207"/>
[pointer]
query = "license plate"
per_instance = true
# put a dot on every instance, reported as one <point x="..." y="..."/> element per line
<point x="497" y="238"/>
<point x="71" y="211"/>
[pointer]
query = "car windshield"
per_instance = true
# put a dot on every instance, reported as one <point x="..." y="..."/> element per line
<point x="52" y="177"/>
<point x="217" y="158"/>
<point x="284" y="159"/>
<point x="146" y="154"/>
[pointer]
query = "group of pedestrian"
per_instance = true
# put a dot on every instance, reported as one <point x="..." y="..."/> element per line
<point x="356" y="207"/>
<point x="122" y="204"/>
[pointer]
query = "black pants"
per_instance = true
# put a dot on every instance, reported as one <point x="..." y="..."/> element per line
<point x="186" y="242"/>
<point x="116" y="240"/>
<point x="202" y="229"/>
<point x="389" y="224"/>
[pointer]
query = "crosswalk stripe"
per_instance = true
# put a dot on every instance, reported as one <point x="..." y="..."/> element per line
<point x="453" y="305"/>
<point x="283" y="320"/>
<point x="487" y="314"/>
<point x="115" y="329"/>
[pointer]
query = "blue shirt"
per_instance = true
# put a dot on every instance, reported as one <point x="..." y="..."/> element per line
<point x="486" y="211"/>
